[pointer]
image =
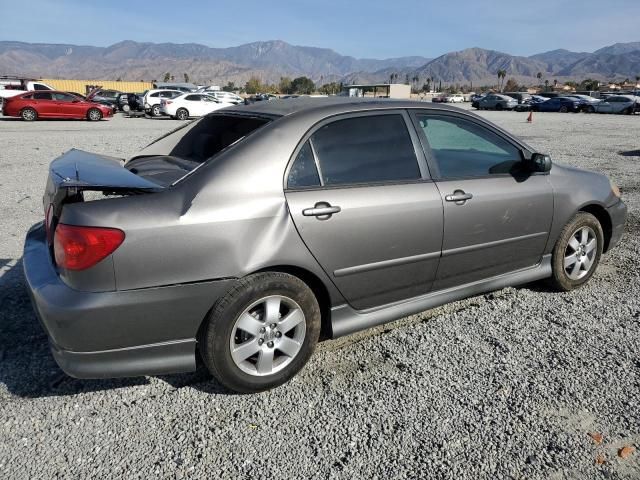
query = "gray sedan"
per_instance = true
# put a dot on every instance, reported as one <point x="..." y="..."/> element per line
<point x="248" y="235"/>
<point x="615" y="104"/>
<point x="494" y="101"/>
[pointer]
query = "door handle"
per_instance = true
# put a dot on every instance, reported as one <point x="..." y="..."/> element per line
<point x="459" y="197"/>
<point x="321" y="209"/>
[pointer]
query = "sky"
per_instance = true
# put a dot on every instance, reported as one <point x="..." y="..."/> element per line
<point x="363" y="29"/>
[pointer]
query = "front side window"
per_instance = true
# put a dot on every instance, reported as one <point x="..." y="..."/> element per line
<point x="63" y="97"/>
<point x="462" y="148"/>
<point x="367" y="149"/>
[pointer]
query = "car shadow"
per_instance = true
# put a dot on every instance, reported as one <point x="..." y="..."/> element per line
<point x="28" y="369"/>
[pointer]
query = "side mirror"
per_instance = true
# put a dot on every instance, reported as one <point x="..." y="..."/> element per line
<point x="540" y="162"/>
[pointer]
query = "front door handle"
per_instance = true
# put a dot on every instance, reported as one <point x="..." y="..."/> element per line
<point x="459" y="197"/>
<point x="321" y="209"/>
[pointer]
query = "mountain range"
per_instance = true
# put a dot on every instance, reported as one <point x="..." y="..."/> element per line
<point x="270" y="60"/>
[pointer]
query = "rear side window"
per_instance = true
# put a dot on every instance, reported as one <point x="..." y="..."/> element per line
<point x="368" y="149"/>
<point x="462" y="148"/>
<point x="194" y="98"/>
<point x="39" y="86"/>
<point x="303" y="173"/>
<point x="42" y="96"/>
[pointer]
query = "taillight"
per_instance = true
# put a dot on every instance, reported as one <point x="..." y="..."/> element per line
<point x="78" y="248"/>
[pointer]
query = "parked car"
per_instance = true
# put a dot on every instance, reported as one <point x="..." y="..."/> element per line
<point x="11" y="86"/>
<point x="495" y="101"/>
<point x="226" y="97"/>
<point x="442" y="98"/>
<point x="521" y="97"/>
<point x="86" y="98"/>
<point x="189" y="105"/>
<point x="236" y="239"/>
<point x="105" y="97"/>
<point x="454" y="98"/>
<point x="53" y="104"/>
<point x="558" y="104"/>
<point x="616" y="104"/>
<point x="530" y="103"/>
<point x="153" y="98"/>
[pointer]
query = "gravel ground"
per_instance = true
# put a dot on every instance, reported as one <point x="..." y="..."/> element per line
<point x="505" y="385"/>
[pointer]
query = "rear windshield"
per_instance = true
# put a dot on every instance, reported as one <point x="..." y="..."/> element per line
<point x="209" y="136"/>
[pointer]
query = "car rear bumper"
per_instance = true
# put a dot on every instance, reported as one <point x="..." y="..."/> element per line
<point x="618" y="215"/>
<point x="118" y="333"/>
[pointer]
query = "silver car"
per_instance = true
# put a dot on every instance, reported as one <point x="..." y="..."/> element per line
<point x="248" y="235"/>
<point x="495" y="101"/>
<point x="616" y="104"/>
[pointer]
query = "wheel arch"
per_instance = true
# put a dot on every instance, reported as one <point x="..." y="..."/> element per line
<point x="603" y="217"/>
<point x="318" y="288"/>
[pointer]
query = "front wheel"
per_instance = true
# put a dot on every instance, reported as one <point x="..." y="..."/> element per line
<point x="93" y="115"/>
<point x="182" y="114"/>
<point x="563" y="109"/>
<point x="155" y="111"/>
<point x="261" y="333"/>
<point x="499" y="106"/>
<point x="577" y="252"/>
<point x="591" y="109"/>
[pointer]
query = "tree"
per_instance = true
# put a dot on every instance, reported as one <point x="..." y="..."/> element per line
<point x="330" y="88"/>
<point x="406" y="79"/>
<point x="501" y="75"/>
<point x="167" y="77"/>
<point x="186" y="77"/>
<point x="285" y="85"/>
<point x="546" y="85"/>
<point x="539" y="76"/>
<point x="230" y="87"/>
<point x="302" y="85"/>
<point x="511" y="86"/>
<point x="253" y="85"/>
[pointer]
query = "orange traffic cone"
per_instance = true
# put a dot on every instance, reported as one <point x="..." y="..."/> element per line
<point x="530" y="117"/>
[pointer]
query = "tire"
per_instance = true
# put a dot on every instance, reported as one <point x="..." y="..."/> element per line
<point x="572" y="246"/>
<point x="182" y="114"/>
<point x="590" y="109"/>
<point x="246" y="305"/>
<point x="94" y="115"/>
<point x="628" y="111"/>
<point x="563" y="109"/>
<point x="29" y="114"/>
<point x="499" y="106"/>
<point x="155" y="110"/>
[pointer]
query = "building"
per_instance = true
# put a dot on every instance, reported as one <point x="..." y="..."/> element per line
<point x="379" y="90"/>
<point x="85" y="86"/>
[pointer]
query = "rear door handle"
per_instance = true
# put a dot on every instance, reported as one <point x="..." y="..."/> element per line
<point x="321" y="209"/>
<point x="459" y="197"/>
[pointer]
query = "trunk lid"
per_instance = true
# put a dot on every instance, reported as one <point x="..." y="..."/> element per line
<point x="78" y="171"/>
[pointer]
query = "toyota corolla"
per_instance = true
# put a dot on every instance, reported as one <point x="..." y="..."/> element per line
<point x="245" y="236"/>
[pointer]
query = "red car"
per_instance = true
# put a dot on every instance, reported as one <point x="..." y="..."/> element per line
<point x="51" y="104"/>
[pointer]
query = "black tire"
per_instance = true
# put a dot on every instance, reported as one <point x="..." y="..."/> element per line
<point x="155" y="110"/>
<point x="499" y="106"/>
<point x="182" y="114"/>
<point x="94" y="115"/>
<point x="628" y="111"/>
<point x="563" y="109"/>
<point x="590" y="109"/>
<point x="29" y="114"/>
<point x="215" y="336"/>
<point x="560" y="279"/>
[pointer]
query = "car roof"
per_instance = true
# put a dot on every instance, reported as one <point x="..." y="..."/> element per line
<point x="331" y="105"/>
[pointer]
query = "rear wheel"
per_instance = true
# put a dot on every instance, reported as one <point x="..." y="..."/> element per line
<point x="590" y="109"/>
<point x="93" y="115"/>
<point x="499" y="106"/>
<point x="261" y="333"/>
<point x="577" y="252"/>
<point x="29" y="114"/>
<point x="563" y="109"/>
<point x="182" y="114"/>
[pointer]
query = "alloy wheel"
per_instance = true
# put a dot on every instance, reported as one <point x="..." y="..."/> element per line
<point x="580" y="253"/>
<point x="267" y="335"/>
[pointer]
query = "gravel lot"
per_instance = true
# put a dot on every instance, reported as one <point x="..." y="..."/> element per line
<point x="505" y="385"/>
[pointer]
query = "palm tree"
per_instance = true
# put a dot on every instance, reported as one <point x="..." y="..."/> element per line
<point x="546" y="85"/>
<point x="539" y="76"/>
<point x="501" y="75"/>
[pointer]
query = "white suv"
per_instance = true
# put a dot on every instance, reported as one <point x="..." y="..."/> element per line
<point x="153" y="98"/>
<point x="455" y="98"/>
